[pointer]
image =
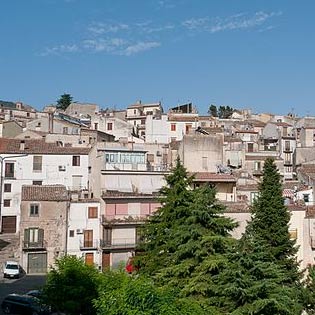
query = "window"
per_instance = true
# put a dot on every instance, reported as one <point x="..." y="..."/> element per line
<point x="34" y="210"/>
<point x="37" y="182"/>
<point x="95" y="126"/>
<point x="7" y="187"/>
<point x="173" y="127"/>
<point x="250" y="147"/>
<point x="71" y="233"/>
<point x="293" y="234"/>
<point x="142" y="121"/>
<point x="92" y="212"/>
<point x="37" y="163"/>
<point x="76" y="160"/>
<point x="188" y="128"/>
<point x="9" y="170"/>
<point x="33" y="236"/>
<point x="253" y="196"/>
<point x="107" y="236"/>
<point x="257" y="166"/>
<point x="109" y="126"/>
<point x="65" y="130"/>
<point x="150" y="158"/>
<point x="306" y="197"/>
<point x="7" y="202"/>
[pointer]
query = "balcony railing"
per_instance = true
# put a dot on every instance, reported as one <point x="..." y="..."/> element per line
<point x="124" y="219"/>
<point x="288" y="150"/>
<point x="34" y="245"/>
<point x="287" y="163"/>
<point x="89" y="244"/>
<point x="121" y="243"/>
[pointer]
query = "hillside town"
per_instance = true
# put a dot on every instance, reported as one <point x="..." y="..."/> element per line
<point x="82" y="181"/>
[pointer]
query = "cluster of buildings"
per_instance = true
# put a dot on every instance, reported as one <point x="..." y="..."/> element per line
<point x="83" y="181"/>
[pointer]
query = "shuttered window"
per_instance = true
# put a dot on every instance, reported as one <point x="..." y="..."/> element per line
<point x="92" y="212"/>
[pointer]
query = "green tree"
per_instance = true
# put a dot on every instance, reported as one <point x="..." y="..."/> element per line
<point x="309" y="292"/>
<point x="122" y="294"/>
<point x="71" y="286"/>
<point x="263" y="276"/>
<point x="64" y="101"/>
<point x="213" y="111"/>
<point x="176" y="196"/>
<point x="187" y="238"/>
<point x="225" y="111"/>
<point x="254" y="284"/>
<point x="270" y="221"/>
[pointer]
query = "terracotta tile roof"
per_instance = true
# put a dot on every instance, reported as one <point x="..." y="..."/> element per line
<point x="44" y="193"/>
<point x="260" y="157"/>
<point x="236" y="207"/>
<point x="246" y="131"/>
<point x="282" y="123"/>
<point x="11" y="146"/>
<point x="296" y="207"/>
<point x="190" y="119"/>
<point x="213" y="177"/>
<point x="231" y="139"/>
<point x="248" y="187"/>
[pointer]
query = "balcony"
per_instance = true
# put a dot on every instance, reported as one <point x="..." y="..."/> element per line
<point x="288" y="150"/>
<point x="257" y="172"/>
<point x="287" y="163"/>
<point x="89" y="244"/>
<point x="39" y="245"/>
<point x="123" y="220"/>
<point x="120" y="243"/>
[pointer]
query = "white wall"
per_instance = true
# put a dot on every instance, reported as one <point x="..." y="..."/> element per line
<point x="78" y="222"/>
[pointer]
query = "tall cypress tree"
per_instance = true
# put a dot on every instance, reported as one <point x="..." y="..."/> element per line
<point x="270" y="221"/>
<point x="263" y="277"/>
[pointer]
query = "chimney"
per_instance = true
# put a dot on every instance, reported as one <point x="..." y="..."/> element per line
<point x="50" y="122"/>
<point x="22" y="145"/>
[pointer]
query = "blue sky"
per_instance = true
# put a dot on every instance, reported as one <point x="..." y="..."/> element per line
<point x="256" y="54"/>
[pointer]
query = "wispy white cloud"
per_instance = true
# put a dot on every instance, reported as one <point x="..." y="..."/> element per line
<point x="102" y="28"/>
<point x="129" y="39"/>
<point x="234" y="22"/>
<point x="60" y="49"/>
<point x="139" y="47"/>
<point x="100" y="44"/>
<point x="196" y="24"/>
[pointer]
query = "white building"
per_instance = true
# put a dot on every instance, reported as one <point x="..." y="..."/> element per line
<point x="35" y="162"/>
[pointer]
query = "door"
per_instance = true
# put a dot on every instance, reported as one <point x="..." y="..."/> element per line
<point x="89" y="259"/>
<point x="88" y="238"/>
<point x="8" y="224"/>
<point x="37" y="263"/>
<point x="105" y="261"/>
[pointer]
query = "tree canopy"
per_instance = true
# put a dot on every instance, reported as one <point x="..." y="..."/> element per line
<point x="221" y="111"/>
<point x="187" y="238"/>
<point x="64" y="101"/>
<point x="262" y="276"/>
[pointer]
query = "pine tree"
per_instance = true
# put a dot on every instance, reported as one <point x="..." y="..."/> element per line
<point x="188" y="237"/>
<point x="263" y="277"/>
<point x="253" y="283"/>
<point x="270" y="221"/>
<point x="176" y="196"/>
<point x="64" y="101"/>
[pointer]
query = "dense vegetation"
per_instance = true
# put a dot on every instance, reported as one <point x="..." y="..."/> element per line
<point x="189" y="264"/>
